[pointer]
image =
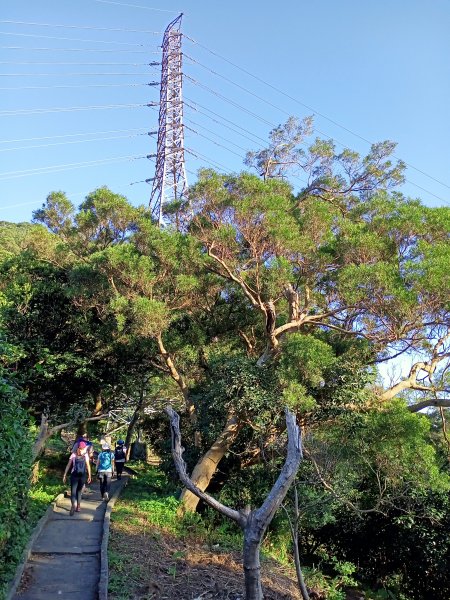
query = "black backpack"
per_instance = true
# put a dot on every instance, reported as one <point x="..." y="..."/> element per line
<point x="119" y="453"/>
<point x="79" y="466"/>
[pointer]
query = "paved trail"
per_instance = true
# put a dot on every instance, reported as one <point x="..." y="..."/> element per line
<point x="65" y="558"/>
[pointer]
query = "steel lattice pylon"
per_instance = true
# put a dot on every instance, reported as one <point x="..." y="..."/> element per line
<point x="170" y="182"/>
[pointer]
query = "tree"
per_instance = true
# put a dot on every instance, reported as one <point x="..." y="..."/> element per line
<point x="253" y="522"/>
<point x="343" y="255"/>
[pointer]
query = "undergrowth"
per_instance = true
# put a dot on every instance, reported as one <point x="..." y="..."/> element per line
<point x="47" y="485"/>
<point x="150" y="503"/>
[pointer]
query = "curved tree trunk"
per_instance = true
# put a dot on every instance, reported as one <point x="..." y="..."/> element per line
<point x="207" y="464"/>
<point x="254" y="523"/>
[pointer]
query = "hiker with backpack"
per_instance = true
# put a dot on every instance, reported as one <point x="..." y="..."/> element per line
<point x="89" y="445"/>
<point x="80" y="468"/>
<point x="105" y="470"/>
<point x="120" y="456"/>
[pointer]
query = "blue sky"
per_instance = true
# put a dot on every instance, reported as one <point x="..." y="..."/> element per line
<point x="369" y="71"/>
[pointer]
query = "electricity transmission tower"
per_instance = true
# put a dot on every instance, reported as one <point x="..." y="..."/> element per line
<point x="170" y="182"/>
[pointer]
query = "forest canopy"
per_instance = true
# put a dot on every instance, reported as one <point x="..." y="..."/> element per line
<point x="252" y="298"/>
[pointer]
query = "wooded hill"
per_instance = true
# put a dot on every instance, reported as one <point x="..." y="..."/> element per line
<point x="251" y="299"/>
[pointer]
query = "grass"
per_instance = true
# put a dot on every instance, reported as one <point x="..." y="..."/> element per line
<point x="48" y="485"/>
<point x="42" y="492"/>
<point x="154" y="553"/>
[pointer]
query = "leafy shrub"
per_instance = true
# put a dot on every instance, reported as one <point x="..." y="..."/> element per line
<point x="15" y="468"/>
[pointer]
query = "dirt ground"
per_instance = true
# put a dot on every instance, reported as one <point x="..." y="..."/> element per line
<point x="159" y="566"/>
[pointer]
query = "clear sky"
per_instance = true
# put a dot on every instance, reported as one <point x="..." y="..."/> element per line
<point x="74" y="75"/>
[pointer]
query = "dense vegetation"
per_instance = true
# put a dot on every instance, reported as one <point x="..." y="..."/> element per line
<point x="250" y="299"/>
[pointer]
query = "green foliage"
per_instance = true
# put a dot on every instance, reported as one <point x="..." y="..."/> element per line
<point x="305" y="359"/>
<point x="235" y="385"/>
<point x="391" y="548"/>
<point x="15" y="466"/>
<point x="13" y="238"/>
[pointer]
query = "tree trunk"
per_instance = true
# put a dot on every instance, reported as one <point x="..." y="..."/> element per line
<point x="98" y="405"/>
<point x="253" y="522"/>
<point x="207" y="465"/>
<point x="298" y="570"/>
<point x="131" y="426"/>
<point x="294" y="531"/>
<point x="134" y="419"/>
<point x="251" y="563"/>
<point x="42" y="437"/>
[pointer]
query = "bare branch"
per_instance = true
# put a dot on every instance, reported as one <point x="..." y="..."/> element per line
<point x="177" y="453"/>
<point x="438" y="402"/>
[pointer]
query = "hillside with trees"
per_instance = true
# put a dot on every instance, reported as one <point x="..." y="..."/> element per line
<point x="254" y="299"/>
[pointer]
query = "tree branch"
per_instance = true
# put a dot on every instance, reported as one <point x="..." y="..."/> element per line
<point x="438" y="402"/>
<point x="177" y="453"/>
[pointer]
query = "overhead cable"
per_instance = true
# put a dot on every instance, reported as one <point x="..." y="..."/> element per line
<point x="241" y="87"/>
<point x="136" y="6"/>
<point x="78" y="64"/>
<point x="213" y="163"/>
<point x="79" y="27"/>
<point x="225" y="99"/>
<point x="68" y="74"/>
<point x="59" y="87"/>
<point x="52" y="137"/>
<point x="50" y="37"/>
<point x="116" y="137"/>
<point x="214" y="142"/>
<point x="66" y="167"/>
<point x="25" y="111"/>
<point x="72" y="49"/>
<point x="214" y="133"/>
<point x="190" y="104"/>
<point x="314" y="111"/>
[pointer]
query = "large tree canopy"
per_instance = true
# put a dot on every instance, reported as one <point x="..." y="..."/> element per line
<point x="251" y="298"/>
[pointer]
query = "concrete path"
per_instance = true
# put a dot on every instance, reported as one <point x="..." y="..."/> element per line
<point x="65" y="560"/>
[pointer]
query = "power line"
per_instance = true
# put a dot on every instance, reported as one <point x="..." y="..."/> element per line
<point x="68" y="74"/>
<point x="71" y="49"/>
<point x="241" y="87"/>
<point x="117" y="137"/>
<point x="313" y="110"/>
<point x="232" y="102"/>
<point x="208" y="161"/>
<point x="52" y="137"/>
<point x="214" y="133"/>
<point x="66" y="167"/>
<point x="14" y="113"/>
<point x="136" y="6"/>
<point x="191" y="102"/>
<point x="50" y="37"/>
<point x="80" y="27"/>
<point x="59" y="87"/>
<point x="214" y="142"/>
<point x="78" y="64"/>
<point x="236" y="84"/>
<point x="337" y="141"/>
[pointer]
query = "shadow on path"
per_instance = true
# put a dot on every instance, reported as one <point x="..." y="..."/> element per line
<point x="65" y="559"/>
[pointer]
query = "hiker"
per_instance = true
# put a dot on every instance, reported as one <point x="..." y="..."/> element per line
<point x="105" y="470"/>
<point x="80" y="467"/>
<point x="89" y="445"/>
<point x="120" y="456"/>
<point x="89" y="451"/>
